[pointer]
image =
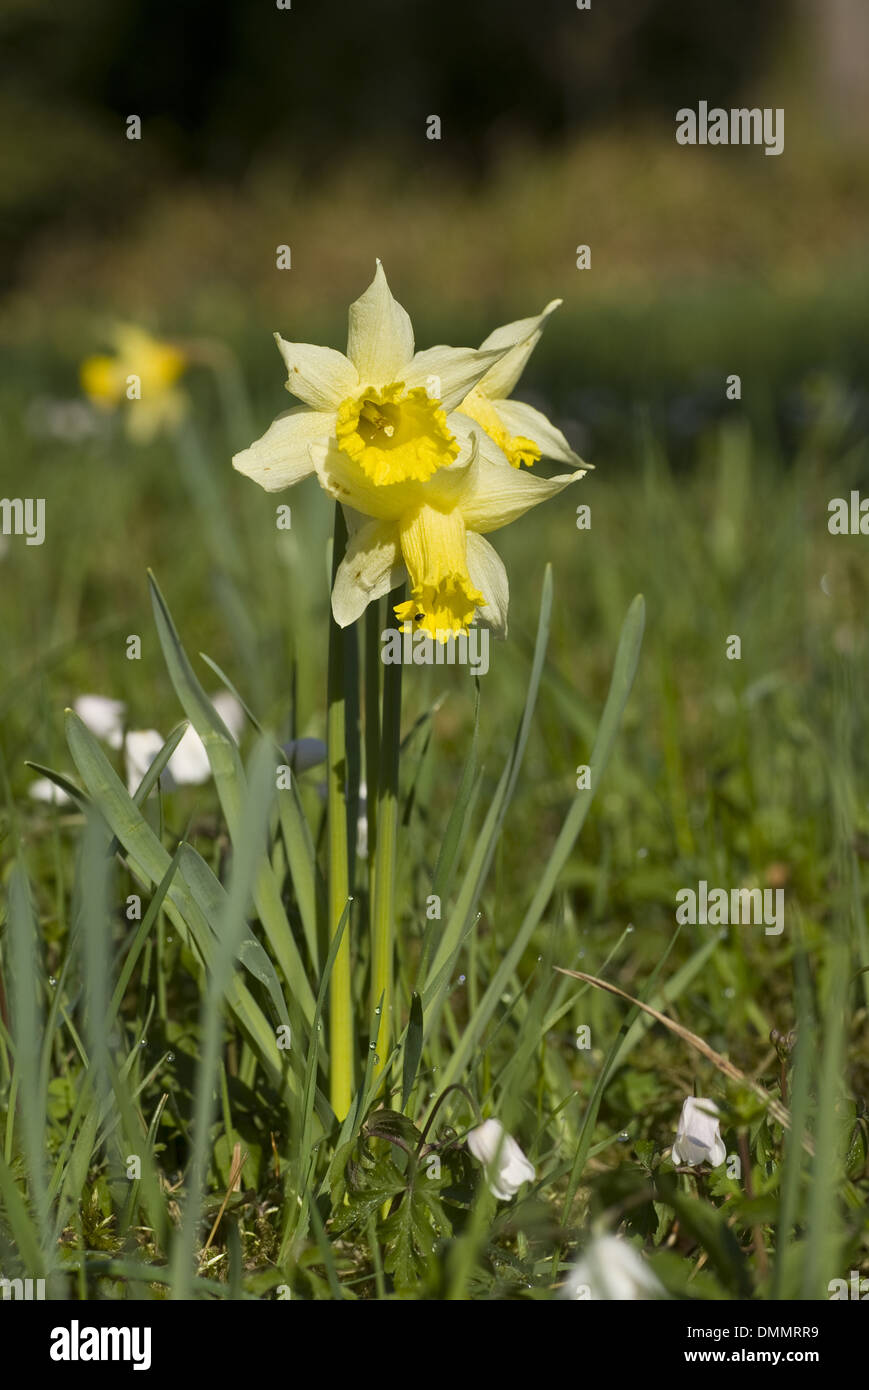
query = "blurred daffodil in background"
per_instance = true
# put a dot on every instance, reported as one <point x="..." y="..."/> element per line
<point x="144" y="371"/>
<point x="413" y="447"/>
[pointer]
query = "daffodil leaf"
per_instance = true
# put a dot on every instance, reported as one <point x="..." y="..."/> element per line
<point x="150" y="861"/>
<point x="412" y="1048"/>
<point x="229" y="779"/>
<point x="624" y="670"/>
<point x="65" y="785"/>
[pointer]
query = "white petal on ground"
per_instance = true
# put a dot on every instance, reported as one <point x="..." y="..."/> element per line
<point x="319" y="376"/>
<point x="281" y="458"/>
<point x="104" y="717"/>
<point x="380" y="335"/>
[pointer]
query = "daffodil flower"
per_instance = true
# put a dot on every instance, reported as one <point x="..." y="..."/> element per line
<point x="698" y="1138"/>
<point x="104" y="717"/>
<point x="155" y="402"/>
<point x="387" y="406"/>
<point x="522" y="433"/>
<point x="433" y="533"/>
<point x="420" y="481"/>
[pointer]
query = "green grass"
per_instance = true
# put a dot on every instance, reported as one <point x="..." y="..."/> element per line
<point x="743" y="773"/>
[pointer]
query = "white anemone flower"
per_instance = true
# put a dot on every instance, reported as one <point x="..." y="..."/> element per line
<point x="611" y="1269"/>
<point x="188" y="765"/>
<point x="141" y="747"/>
<point x="231" y="712"/>
<point x="505" y="1163"/>
<point x="104" y="717"/>
<point x="698" y="1138"/>
<point x="43" y="789"/>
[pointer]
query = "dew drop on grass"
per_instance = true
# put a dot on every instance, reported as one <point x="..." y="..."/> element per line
<point x="462" y="979"/>
<point x="52" y="981"/>
<point x="624" y="1137"/>
<point x="728" y="992"/>
<point x="376" y="1058"/>
<point x="377" y="1010"/>
<point x="630" y="927"/>
<point x="170" y="1056"/>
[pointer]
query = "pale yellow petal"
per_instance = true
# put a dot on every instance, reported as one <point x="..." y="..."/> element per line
<point x="319" y="376"/>
<point x="372" y="565"/>
<point x="522" y="419"/>
<point x="380" y="336"/>
<point x="448" y="373"/>
<point x="282" y="456"/>
<point x="494" y="494"/>
<point x="488" y="574"/>
<point x="519" y="338"/>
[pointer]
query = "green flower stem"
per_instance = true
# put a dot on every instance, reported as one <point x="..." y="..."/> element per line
<point x="341" y="1004"/>
<point x="383" y="913"/>
<point x="373" y="664"/>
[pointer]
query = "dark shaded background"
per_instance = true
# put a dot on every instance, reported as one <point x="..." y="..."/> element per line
<point x="224" y="86"/>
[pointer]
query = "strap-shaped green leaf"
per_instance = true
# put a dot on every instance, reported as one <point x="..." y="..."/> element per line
<point x="229" y="779"/>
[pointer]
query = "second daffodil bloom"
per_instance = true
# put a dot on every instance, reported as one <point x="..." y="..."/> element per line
<point x="521" y="432"/>
<point x="698" y="1138"/>
<point x="420" y="480"/>
<point x="505" y="1163"/>
<point x="144" y="372"/>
